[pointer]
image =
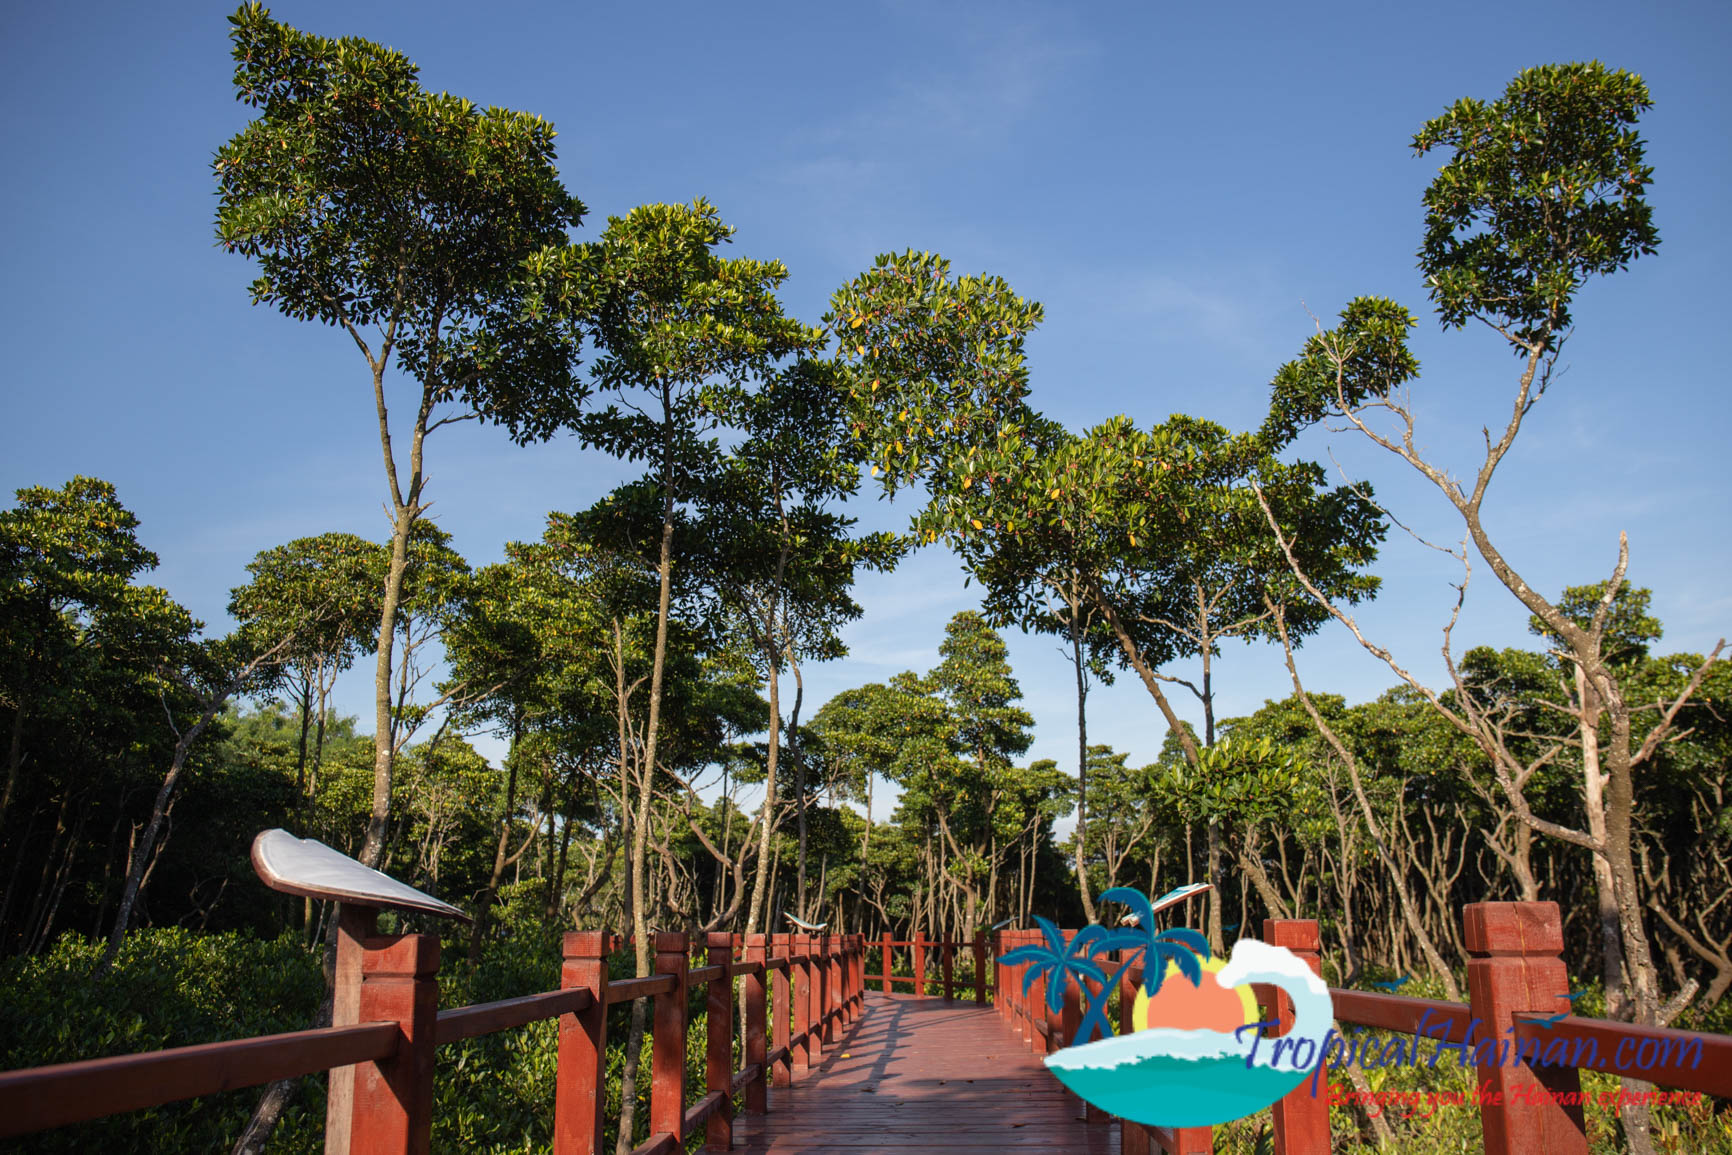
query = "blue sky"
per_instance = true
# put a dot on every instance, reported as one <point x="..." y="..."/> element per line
<point x="1178" y="184"/>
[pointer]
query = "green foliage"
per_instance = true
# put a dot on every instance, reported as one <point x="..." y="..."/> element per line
<point x="1542" y="189"/>
<point x="324" y="590"/>
<point x="936" y="364"/>
<point x="169" y="987"/>
<point x="1624" y="623"/>
<point x="368" y="201"/>
<point x="1364" y="358"/>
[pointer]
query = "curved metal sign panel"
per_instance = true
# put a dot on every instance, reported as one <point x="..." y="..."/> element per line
<point x="310" y="868"/>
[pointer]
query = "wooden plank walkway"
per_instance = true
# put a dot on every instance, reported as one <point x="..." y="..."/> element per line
<point x="915" y="1075"/>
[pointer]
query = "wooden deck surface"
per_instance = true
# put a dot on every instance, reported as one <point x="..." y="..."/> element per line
<point x="916" y="1075"/>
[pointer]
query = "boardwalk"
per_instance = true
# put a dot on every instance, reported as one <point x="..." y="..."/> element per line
<point x="916" y="1075"/>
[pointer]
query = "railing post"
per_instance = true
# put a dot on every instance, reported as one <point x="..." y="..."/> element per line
<point x="355" y="924"/>
<point x="821" y="992"/>
<point x="1037" y="1040"/>
<point x="1133" y="1139"/>
<point x="756" y="988"/>
<point x="781" y="1013"/>
<point x="945" y="956"/>
<point x="919" y="949"/>
<point x="887" y="952"/>
<point x="1515" y="970"/>
<point x="845" y="966"/>
<point x="803" y="1001"/>
<point x="668" y="1045"/>
<point x="826" y="994"/>
<point x="578" y="1094"/>
<point x="393" y="1104"/>
<point x="850" y="956"/>
<point x="719" y="1040"/>
<point x="980" y="968"/>
<point x="1302" y="1118"/>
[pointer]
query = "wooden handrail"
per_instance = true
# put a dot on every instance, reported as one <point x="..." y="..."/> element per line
<point x="1516" y="983"/>
<point x="392" y="1104"/>
<point x="626" y="990"/>
<point x="506" y="1014"/>
<point x="39" y="1098"/>
<point x="1708" y="1070"/>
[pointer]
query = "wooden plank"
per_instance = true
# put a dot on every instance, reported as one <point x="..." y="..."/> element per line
<point x="661" y="1143"/>
<point x="1686" y="1060"/>
<point x="504" y="1015"/>
<point x="1399" y="1013"/>
<point x="628" y="989"/>
<point x="37" y="1098"/>
<point x="911" y="1075"/>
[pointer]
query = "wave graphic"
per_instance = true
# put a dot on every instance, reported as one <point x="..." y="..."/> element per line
<point x="1172" y="1078"/>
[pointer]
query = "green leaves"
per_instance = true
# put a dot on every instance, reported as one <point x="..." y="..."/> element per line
<point x="368" y="201"/>
<point x="1364" y="358"/>
<point x="668" y="312"/>
<point x="936" y="364"/>
<point x="1543" y="189"/>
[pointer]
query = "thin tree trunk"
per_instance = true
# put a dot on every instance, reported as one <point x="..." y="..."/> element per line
<point x="1082" y="765"/>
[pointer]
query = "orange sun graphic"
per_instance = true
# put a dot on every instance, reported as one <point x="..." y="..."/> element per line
<point x="1207" y="1006"/>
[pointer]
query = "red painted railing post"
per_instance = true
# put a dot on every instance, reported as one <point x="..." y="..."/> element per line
<point x="668" y="1046"/>
<point x="802" y="944"/>
<point x="719" y="1040"/>
<point x="1133" y="1139"/>
<point x="355" y="924"/>
<point x="756" y="988"/>
<point x="1515" y="970"/>
<point x="887" y="952"/>
<point x="822" y="991"/>
<point x="856" y="973"/>
<point x="578" y="1094"/>
<point x="857" y="977"/>
<point x="393" y="1104"/>
<point x="781" y="1013"/>
<point x="1302" y="1118"/>
<point x="920" y="964"/>
<point x="849" y="957"/>
<point x="979" y="968"/>
<point x="945" y="955"/>
<point x="1040" y="1041"/>
<point x="829" y="992"/>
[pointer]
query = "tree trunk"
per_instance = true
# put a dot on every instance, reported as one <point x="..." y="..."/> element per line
<point x="1593" y="797"/>
<point x="1082" y="765"/>
<point x="141" y="854"/>
<point x="484" y="903"/>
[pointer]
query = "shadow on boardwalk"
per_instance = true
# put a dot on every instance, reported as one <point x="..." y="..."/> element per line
<point x="916" y="1075"/>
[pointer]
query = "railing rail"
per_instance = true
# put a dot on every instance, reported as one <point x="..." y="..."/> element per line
<point x="918" y="948"/>
<point x="1516" y="984"/>
<point x="392" y="1050"/>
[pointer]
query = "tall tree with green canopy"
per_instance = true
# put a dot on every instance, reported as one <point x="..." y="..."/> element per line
<point x="781" y="561"/>
<point x="401" y="217"/>
<point x="1542" y="190"/>
<point x="1158" y="538"/>
<point x="678" y="330"/>
<point x="324" y="590"/>
<point x="67" y="556"/>
<point x="987" y="729"/>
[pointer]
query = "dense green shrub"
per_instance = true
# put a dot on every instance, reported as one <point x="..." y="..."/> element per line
<point x="168" y="988"/>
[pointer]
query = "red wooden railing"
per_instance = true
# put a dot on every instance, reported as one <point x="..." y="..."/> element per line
<point x="392" y="1047"/>
<point x="919" y="946"/>
<point x="1515" y="977"/>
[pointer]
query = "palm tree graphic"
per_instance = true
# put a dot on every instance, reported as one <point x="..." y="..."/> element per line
<point x="1063" y="962"/>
